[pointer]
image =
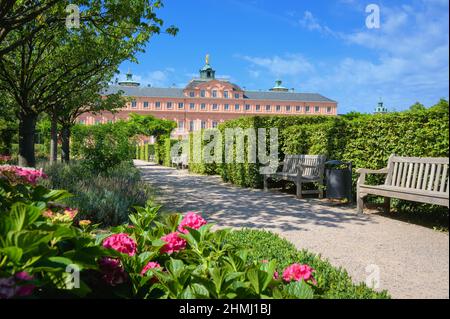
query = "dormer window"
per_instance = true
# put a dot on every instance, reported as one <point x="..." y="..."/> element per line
<point x="192" y="94"/>
<point x="202" y="93"/>
<point x="225" y="94"/>
<point x="236" y="95"/>
<point x="214" y="93"/>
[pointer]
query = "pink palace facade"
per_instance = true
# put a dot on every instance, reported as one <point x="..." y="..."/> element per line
<point x="206" y="101"/>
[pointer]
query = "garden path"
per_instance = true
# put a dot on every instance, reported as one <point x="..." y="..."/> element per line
<point x="413" y="261"/>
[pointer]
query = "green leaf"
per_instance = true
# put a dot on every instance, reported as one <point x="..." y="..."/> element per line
<point x="299" y="290"/>
<point x="14" y="254"/>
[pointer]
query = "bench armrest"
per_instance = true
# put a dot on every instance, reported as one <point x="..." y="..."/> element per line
<point x="372" y="171"/>
<point x="306" y="165"/>
<point x="364" y="171"/>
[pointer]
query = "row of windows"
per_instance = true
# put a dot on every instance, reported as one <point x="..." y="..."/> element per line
<point x="237" y="107"/>
<point x="191" y="125"/>
<point x="215" y="94"/>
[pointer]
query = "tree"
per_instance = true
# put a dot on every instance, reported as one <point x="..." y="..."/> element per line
<point x="8" y="125"/>
<point x="89" y="101"/>
<point x="48" y="69"/>
<point x="417" y="107"/>
<point x="15" y="14"/>
<point x="149" y="125"/>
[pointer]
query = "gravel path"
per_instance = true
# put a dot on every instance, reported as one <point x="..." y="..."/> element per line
<point x="413" y="261"/>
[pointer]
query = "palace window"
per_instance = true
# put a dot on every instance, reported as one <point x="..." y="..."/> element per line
<point x="181" y="125"/>
<point x="192" y="94"/>
<point x="214" y="124"/>
<point x="192" y="106"/>
<point x="146" y="104"/>
<point x="203" y="106"/>
<point x="158" y="105"/>
<point x="247" y="107"/>
<point x="298" y="108"/>
<point x="278" y="108"/>
<point x="288" y="108"/>
<point x="191" y="125"/>
<point x="133" y="104"/>
<point x="307" y="109"/>
<point x="236" y="95"/>
<point x="258" y="108"/>
<point x="181" y="105"/>
<point x="316" y="109"/>
<point x="215" y="107"/>
<point x="236" y="107"/>
<point x="225" y="94"/>
<point x="82" y="121"/>
<point x="328" y="109"/>
<point x="268" y="108"/>
<point x="169" y="105"/>
<point x="214" y="93"/>
<point x="226" y="107"/>
<point x="202" y="93"/>
<point x="203" y="124"/>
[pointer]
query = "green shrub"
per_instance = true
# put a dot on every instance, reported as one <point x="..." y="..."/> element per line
<point x="197" y="164"/>
<point x="103" y="145"/>
<point x="331" y="282"/>
<point x="106" y="197"/>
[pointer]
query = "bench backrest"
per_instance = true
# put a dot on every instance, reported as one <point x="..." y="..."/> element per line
<point x="424" y="173"/>
<point x="291" y="163"/>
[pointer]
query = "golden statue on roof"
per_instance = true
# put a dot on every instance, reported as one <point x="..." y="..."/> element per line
<point x="207" y="59"/>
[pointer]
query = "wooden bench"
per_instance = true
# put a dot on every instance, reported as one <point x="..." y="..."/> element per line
<point x="301" y="169"/>
<point x="180" y="161"/>
<point x="418" y="179"/>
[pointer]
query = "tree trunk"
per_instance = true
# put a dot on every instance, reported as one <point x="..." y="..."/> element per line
<point x="27" y="129"/>
<point x="54" y="139"/>
<point x="65" y="148"/>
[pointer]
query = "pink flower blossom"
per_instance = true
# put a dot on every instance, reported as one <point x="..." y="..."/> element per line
<point x="276" y="275"/>
<point x="121" y="243"/>
<point x="112" y="271"/>
<point x="24" y="175"/>
<point x="150" y="265"/>
<point x="24" y="289"/>
<point x="174" y="243"/>
<point x="298" y="272"/>
<point x="71" y="212"/>
<point x="16" y="286"/>
<point x="191" y="220"/>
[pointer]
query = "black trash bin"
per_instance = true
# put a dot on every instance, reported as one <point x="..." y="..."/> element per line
<point x="338" y="179"/>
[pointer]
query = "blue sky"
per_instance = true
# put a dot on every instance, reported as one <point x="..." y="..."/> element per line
<point x="313" y="46"/>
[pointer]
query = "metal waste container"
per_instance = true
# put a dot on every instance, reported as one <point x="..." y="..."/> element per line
<point x="338" y="176"/>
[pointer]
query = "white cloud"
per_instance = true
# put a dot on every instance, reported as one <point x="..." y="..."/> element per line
<point x="288" y="65"/>
<point x="157" y="78"/>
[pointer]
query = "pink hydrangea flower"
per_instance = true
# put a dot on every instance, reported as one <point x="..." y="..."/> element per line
<point x="191" y="220"/>
<point x="112" y="271"/>
<point x="17" y="174"/>
<point x="26" y="289"/>
<point x="122" y="243"/>
<point x="174" y="243"/>
<point x="298" y="272"/>
<point x="150" y="265"/>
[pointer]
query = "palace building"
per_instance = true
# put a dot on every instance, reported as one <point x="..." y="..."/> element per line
<point x="207" y="101"/>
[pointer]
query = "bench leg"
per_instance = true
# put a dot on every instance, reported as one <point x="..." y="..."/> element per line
<point x="299" y="189"/>
<point x="360" y="202"/>
<point x="387" y="205"/>
<point x="266" y="186"/>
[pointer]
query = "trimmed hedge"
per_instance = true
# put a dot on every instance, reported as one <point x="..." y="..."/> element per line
<point x="202" y="167"/>
<point x="365" y="140"/>
<point x="333" y="283"/>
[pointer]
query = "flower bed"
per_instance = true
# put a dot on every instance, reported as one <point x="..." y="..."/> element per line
<point x="153" y="256"/>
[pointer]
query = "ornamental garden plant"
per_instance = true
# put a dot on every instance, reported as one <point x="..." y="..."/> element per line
<point x="45" y="246"/>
